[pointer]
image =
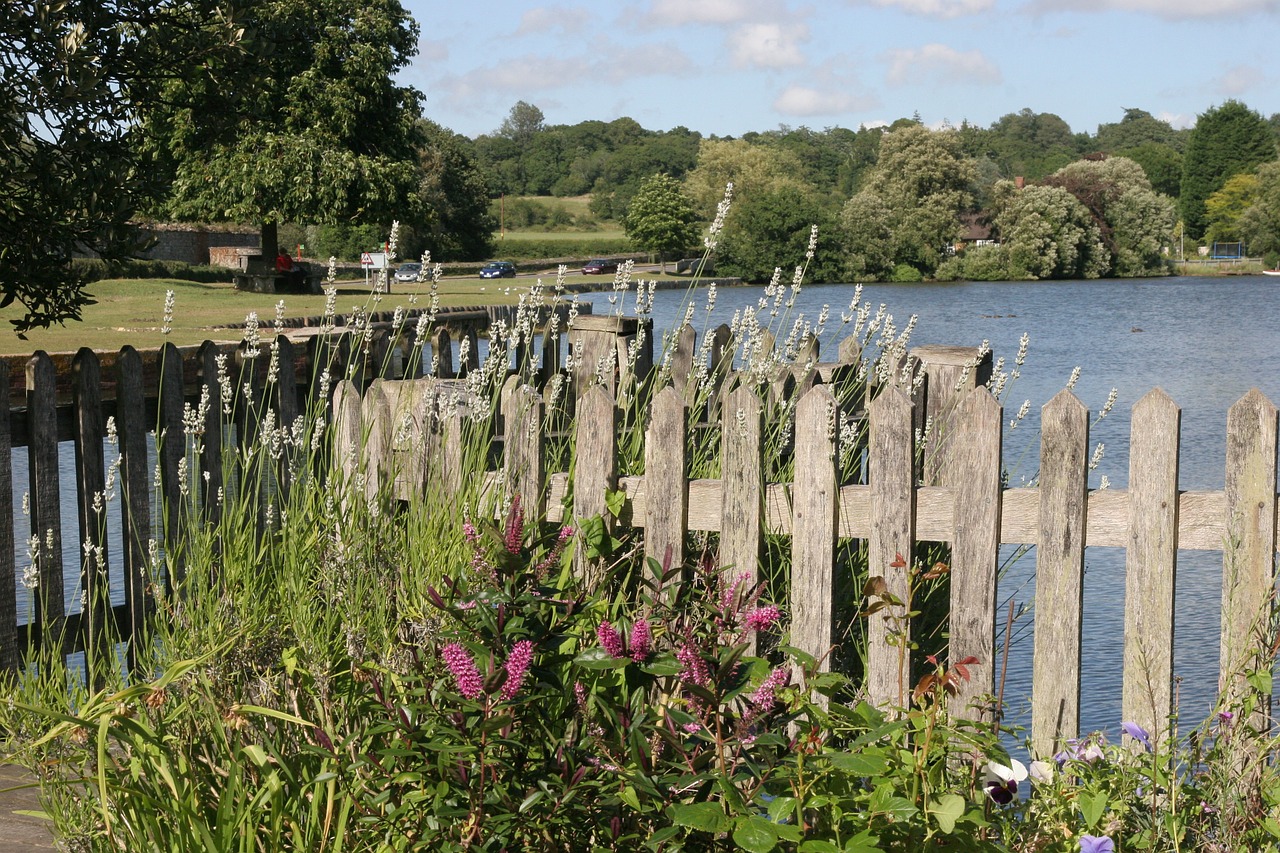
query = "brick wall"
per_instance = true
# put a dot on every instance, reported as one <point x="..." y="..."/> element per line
<point x="197" y="245"/>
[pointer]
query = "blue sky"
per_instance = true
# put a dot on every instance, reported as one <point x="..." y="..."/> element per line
<point x="730" y="66"/>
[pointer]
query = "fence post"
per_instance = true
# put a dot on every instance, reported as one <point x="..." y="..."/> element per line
<point x="595" y="464"/>
<point x="1064" y="448"/>
<point x="285" y="400"/>
<point x="1248" y="557"/>
<point x="346" y="435"/>
<point x="742" y="478"/>
<point x="135" y="488"/>
<point x="522" y="449"/>
<point x="890" y="549"/>
<point x="211" y="475"/>
<point x="1151" y="561"/>
<point x="375" y="417"/>
<point x="950" y="373"/>
<point x="978" y="425"/>
<point x="172" y="449"/>
<point x="91" y="505"/>
<point x="8" y="563"/>
<point x="442" y="354"/>
<point x="666" y="483"/>
<point x="815" y="511"/>
<point x="46" y="505"/>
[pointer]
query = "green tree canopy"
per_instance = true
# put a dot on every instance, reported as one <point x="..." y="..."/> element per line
<point x="456" y="224"/>
<point x="661" y="219"/>
<point x="751" y="168"/>
<point x="1227" y="140"/>
<point x="1162" y="163"/>
<point x="305" y="125"/>
<point x="916" y="193"/>
<point x="1223" y="209"/>
<point x="1259" y="224"/>
<point x="71" y="75"/>
<point x="772" y="229"/>
<point x="1138" y="127"/>
<point x="1045" y="232"/>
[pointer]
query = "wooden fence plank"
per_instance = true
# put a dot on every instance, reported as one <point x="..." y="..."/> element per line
<point x="1248" y="558"/>
<point x="285" y="401"/>
<point x="211" y="440"/>
<point x="135" y="490"/>
<point x="375" y="418"/>
<point x="973" y="467"/>
<point x="522" y="449"/>
<point x="890" y="546"/>
<point x="9" y="654"/>
<point x="172" y="449"/>
<point x="1151" y="563"/>
<point x="666" y="478"/>
<point x="595" y="461"/>
<point x="1064" y="448"/>
<point x="91" y="505"/>
<point x="813" y="534"/>
<point x="742" y="476"/>
<point x="46" y="502"/>
<point x="347" y="443"/>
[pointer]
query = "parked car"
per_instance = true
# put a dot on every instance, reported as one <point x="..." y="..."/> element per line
<point x="498" y="269"/>
<point x="599" y="266"/>
<point x="408" y="272"/>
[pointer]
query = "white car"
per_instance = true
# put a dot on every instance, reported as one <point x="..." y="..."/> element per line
<point x="408" y="272"/>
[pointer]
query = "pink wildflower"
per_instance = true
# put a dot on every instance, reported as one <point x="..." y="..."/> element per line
<point x="762" y="618"/>
<point x="610" y="640"/>
<point x="695" y="668"/>
<point x="517" y="665"/>
<point x="469" y="531"/>
<point x="764" y="698"/>
<point x="641" y="640"/>
<point x="459" y="661"/>
<point x="728" y="593"/>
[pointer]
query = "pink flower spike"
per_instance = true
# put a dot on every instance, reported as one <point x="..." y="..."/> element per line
<point x="517" y="666"/>
<point x="764" y="698"/>
<point x="610" y="640"/>
<point x="762" y="618"/>
<point x="459" y="661"/>
<point x="641" y="640"/>
<point x="515" y="527"/>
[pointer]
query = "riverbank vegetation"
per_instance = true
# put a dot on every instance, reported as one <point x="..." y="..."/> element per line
<point x="333" y="667"/>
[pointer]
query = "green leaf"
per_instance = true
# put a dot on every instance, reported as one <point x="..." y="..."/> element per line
<point x="755" y="834"/>
<point x="597" y="658"/>
<point x="867" y="763"/>
<point x="1092" y="806"/>
<point x="1260" y="680"/>
<point x="946" y="810"/>
<point x="34" y="813"/>
<point x="706" y="817"/>
<point x="818" y="846"/>
<point x="781" y="808"/>
<point x="628" y="796"/>
<point x="614" y="501"/>
<point x="530" y="800"/>
<point x="256" y="754"/>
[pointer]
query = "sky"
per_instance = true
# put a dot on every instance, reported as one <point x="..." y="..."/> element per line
<point x="727" y="67"/>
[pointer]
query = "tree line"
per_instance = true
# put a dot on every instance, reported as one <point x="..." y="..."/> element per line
<point x="898" y="201"/>
<point x="286" y="113"/>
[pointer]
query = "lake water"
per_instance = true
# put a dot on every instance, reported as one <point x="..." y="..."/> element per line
<point x="1205" y="341"/>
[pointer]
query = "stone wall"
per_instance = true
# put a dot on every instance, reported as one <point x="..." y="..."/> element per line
<point x="198" y="245"/>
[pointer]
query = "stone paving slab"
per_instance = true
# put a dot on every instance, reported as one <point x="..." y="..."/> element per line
<point x="21" y="833"/>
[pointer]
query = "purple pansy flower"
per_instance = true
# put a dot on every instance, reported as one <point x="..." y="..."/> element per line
<point x="1002" y="782"/>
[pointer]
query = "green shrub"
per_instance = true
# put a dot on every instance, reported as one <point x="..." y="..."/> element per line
<point x="96" y="269"/>
<point x="905" y="274"/>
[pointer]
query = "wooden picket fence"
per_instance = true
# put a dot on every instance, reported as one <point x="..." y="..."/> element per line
<point x="957" y="497"/>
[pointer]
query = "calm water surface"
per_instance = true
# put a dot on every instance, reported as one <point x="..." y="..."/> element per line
<point x="1205" y="341"/>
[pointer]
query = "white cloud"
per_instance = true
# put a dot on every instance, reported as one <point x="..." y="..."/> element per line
<point x="1169" y="9"/>
<point x="522" y="76"/>
<point x="432" y="50"/>
<point x="547" y="19"/>
<point x="803" y="101"/>
<point x="938" y="8"/>
<point x="680" y="12"/>
<point x="1178" y="121"/>
<point x="939" y="64"/>
<point x="1239" y="80"/>
<point x="768" y="45"/>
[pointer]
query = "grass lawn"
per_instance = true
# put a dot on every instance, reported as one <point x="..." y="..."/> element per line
<point x="131" y="311"/>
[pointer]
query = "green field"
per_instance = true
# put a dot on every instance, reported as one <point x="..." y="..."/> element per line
<point x="131" y="311"/>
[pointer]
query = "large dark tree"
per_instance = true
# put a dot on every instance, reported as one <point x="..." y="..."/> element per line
<point x="456" y="224"/>
<point x="71" y="76"/>
<point x="1226" y="141"/>
<point x="305" y="125"/>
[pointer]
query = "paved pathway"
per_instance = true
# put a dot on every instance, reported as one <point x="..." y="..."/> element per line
<point x="19" y="833"/>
